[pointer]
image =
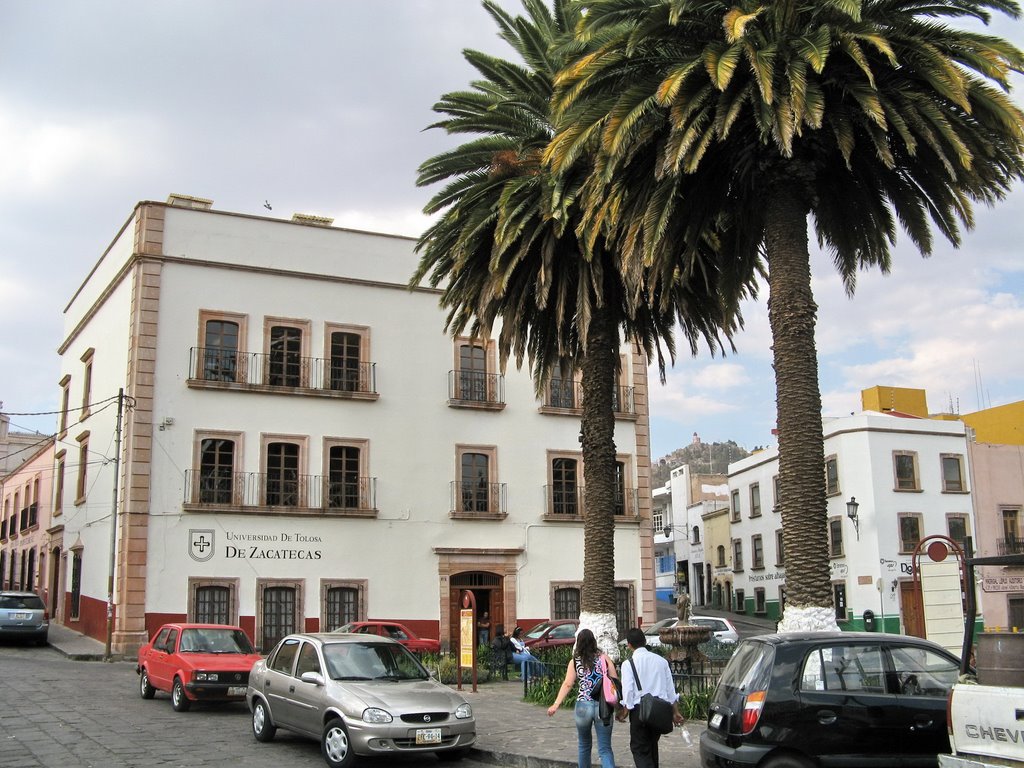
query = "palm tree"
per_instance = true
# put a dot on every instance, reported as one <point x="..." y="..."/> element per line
<point x="508" y="249"/>
<point x="748" y="116"/>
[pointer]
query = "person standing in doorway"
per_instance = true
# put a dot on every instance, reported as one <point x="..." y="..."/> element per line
<point x="589" y="666"/>
<point x="483" y="629"/>
<point x="655" y="677"/>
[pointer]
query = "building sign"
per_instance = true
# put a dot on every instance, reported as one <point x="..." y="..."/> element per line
<point x="774" y="576"/>
<point x="838" y="570"/>
<point x="202" y="546"/>
<point x="1003" y="583"/>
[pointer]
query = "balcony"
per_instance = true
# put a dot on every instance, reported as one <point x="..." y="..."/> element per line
<point x="477" y="501"/>
<point x="1010" y="546"/>
<point x="566" y="503"/>
<point x="567" y="398"/>
<point x="276" y="494"/>
<point x="476" y="389"/>
<point x="213" y="368"/>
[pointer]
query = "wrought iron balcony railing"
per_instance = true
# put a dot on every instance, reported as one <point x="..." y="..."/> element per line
<point x="476" y="388"/>
<point x="568" y="500"/>
<point x="1014" y="545"/>
<point x="284" y="370"/>
<point x="470" y="498"/>
<point x="569" y="395"/>
<point x="258" y="490"/>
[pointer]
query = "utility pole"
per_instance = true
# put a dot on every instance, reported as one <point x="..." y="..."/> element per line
<point x="113" y="528"/>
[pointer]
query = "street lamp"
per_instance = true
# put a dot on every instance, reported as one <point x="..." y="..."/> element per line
<point x="851" y="512"/>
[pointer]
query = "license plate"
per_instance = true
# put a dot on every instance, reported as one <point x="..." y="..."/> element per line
<point x="236" y="690"/>
<point x="716" y="720"/>
<point x="428" y="736"/>
<point x="21" y="616"/>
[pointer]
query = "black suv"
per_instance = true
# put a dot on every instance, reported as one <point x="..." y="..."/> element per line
<point x="799" y="700"/>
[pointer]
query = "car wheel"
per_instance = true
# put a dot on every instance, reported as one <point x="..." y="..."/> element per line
<point x="335" y="745"/>
<point x="262" y="726"/>
<point x="788" y="760"/>
<point x="146" y="690"/>
<point x="179" y="700"/>
<point x="452" y="755"/>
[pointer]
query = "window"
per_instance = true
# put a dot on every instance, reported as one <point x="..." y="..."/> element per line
<point x="562" y="390"/>
<point x="216" y="471"/>
<point x="739" y="601"/>
<point x="278" y="611"/>
<point x="759" y="601"/>
<point x="839" y="599"/>
<point x="343" y="601"/>
<point x="87" y="382"/>
<point x="475" y="481"/>
<point x="755" y="500"/>
<point x="780" y="548"/>
<point x="284" y="660"/>
<point x="566" y="601"/>
<point x="620" y="489"/>
<point x="623" y="610"/>
<point x="905" y="470"/>
<point x="831" y="476"/>
<point x="737" y="554"/>
<point x="956" y="526"/>
<point x="343" y="477"/>
<point x="696" y="535"/>
<point x="658" y="520"/>
<point x="835" y="537"/>
<point x="213" y="601"/>
<point x="65" y="403"/>
<point x="952" y="473"/>
<point x="756" y="552"/>
<point x="284" y="361"/>
<point x="308" y="660"/>
<point x="910" y="532"/>
<point x="345" y="361"/>
<point x="777" y="490"/>
<point x="58" y="493"/>
<point x="83" y="467"/>
<point x="735" y="506"/>
<point x="721" y="556"/>
<point x="922" y="672"/>
<point x="220" y="355"/>
<point x="564" y="486"/>
<point x="844" y="668"/>
<point x="1011" y="543"/>
<point x="282" y="474"/>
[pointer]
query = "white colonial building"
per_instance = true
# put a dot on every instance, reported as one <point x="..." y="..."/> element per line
<point x="909" y="479"/>
<point x="301" y="444"/>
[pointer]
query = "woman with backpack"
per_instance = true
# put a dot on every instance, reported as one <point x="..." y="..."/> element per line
<point x="589" y="666"/>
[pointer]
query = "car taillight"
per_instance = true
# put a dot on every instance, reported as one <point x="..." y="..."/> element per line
<point x="949" y="714"/>
<point x="752" y="707"/>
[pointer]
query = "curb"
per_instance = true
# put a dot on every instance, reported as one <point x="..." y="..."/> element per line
<point x="516" y="760"/>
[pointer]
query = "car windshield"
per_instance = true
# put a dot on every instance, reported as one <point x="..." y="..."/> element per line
<point x="213" y="640"/>
<point x="655" y="628"/>
<point x="30" y="602"/>
<point x="372" y="661"/>
<point x="538" y="630"/>
<point x="350" y="627"/>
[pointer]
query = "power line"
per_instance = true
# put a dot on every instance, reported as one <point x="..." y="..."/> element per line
<point x="129" y="400"/>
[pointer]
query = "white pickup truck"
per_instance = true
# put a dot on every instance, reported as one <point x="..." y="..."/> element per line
<point x="986" y="719"/>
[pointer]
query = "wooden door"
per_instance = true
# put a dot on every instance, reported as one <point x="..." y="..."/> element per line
<point x="910" y="609"/>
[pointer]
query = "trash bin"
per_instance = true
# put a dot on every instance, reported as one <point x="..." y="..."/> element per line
<point x="869" y="621"/>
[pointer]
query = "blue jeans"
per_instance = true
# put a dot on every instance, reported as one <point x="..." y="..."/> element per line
<point x="520" y="659"/>
<point x="586" y="715"/>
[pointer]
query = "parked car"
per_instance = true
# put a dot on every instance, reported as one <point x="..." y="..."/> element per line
<point x="196" y="662"/>
<point x="830" y="698"/>
<point x="358" y="694"/>
<point x="549" y="634"/>
<point x="722" y="630"/>
<point x="395" y="631"/>
<point x="651" y="631"/>
<point x="23" y="616"/>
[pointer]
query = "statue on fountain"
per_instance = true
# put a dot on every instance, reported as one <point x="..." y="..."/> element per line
<point x="683" y="607"/>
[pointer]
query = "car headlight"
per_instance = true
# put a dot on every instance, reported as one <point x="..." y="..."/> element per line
<point x="205" y="677"/>
<point x="374" y="715"/>
<point x="463" y="711"/>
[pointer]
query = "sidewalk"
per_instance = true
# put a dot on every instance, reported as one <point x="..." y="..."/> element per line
<point x="510" y="731"/>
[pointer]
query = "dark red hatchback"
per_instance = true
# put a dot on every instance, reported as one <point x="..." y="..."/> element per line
<point x="800" y="700"/>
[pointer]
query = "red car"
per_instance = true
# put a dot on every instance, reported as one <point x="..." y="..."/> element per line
<point x="196" y="662"/>
<point x="395" y="631"/>
<point x="549" y="634"/>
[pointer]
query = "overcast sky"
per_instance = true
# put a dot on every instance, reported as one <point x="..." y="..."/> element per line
<point x="319" y="107"/>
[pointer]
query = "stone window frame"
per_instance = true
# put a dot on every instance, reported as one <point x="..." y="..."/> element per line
<point x="330" y="441"/>
<point x="81" y="485"/>
<point x="737" y="555"/>
<point x="780" y="549"/>
<point x="896" y="455"/>
<point x="206" y="315"/>
<point x="835" y="522"/>
<point x="836" y="488"/>
<point x="959" y="458"/>
<point x="903" y="550"/>
<point x="755" y="500"/>
<point x="494" y="504"/>
<point x="305" y="344"/>
<point x="363" y="332"/>
<point x="87" y="363"/>
<point x="233" y="585"/>
<point x="237" y="459"/>
<point x="65" y="405"/>
<point x="362" y="590"/>
<point x="302" y="441"/>
<point x="262" y="584"/>
<point x="756" y="545"/>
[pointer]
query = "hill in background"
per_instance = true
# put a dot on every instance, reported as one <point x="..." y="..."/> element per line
<point x="702" y="458"/>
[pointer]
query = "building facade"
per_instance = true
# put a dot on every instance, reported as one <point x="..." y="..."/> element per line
<point x="909" y="478"/>
<point x="300" y="444"/>
<point x="25" y="526"/>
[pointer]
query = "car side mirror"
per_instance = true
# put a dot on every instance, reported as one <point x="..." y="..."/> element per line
<point x="312" y="677"/>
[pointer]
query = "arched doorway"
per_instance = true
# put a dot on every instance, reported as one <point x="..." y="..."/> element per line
<point x="488" y="592"/>
<point x="55" y="583"/>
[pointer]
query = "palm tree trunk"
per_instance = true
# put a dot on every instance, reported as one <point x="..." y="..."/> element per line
<point x="598" y="431"/>
<point x="792" y="316"/>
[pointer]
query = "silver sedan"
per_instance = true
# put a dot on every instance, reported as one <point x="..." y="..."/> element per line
<point x="358" y="695"/>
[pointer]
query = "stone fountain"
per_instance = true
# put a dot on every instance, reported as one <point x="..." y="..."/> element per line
<point x="684" y="637"/>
